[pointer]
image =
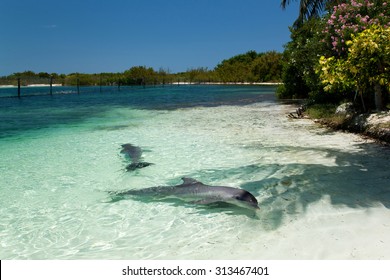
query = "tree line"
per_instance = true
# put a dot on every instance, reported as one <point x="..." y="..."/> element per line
<point x="249" y="67"/>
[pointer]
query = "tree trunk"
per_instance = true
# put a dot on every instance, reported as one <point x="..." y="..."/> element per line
<point x="378" y="97"/>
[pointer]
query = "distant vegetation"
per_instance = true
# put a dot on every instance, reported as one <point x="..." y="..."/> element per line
<point x="243" y="68"/>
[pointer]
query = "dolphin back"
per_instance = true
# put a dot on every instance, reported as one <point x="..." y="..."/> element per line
<point x="195" y="192"/>
<point x="133" y="152"/>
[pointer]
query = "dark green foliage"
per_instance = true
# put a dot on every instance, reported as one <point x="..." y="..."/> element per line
<point x="237" y="69"/>
<point x="268" y="67"/>
<point x="294" y="86"/>
<point x="251" y="67"/>
<point x="139" y="75"/>
<point x="196" y="75"/>
<point x="301" y="56"/>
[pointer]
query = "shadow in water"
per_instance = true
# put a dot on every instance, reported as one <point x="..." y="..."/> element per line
<point x="358" y="179"/>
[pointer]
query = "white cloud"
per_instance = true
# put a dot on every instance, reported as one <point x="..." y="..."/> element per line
<point x="50" y="26"/>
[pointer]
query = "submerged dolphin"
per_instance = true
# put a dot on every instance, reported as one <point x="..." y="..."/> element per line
<point x="194" y="191"/>
<point x="134" y="153"/>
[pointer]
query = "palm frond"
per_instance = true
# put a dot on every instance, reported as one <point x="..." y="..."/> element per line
<point x="307" y="9"/>
<point x="285" y="3"/>
<point x="310" y="9"/>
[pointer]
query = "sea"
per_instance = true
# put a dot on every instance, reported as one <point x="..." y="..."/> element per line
<point x="60" y="161"/>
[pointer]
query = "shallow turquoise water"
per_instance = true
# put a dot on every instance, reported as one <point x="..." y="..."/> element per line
<point x="59" y="155"/>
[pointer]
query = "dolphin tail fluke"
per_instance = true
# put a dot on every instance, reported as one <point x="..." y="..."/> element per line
<point x="115" y="196"/>
<point x="137" y="165"/>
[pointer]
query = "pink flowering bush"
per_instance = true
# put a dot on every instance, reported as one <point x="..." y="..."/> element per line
<point x="366" y="67"/>
<point x="353" y="17"/>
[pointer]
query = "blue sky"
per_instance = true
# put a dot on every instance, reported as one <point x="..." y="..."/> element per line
<point x="112" y="36"/>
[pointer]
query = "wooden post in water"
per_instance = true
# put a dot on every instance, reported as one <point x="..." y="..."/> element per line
<point x="19" y="87"/>
<point x="100" y="82"/>
<point x="78" y="86"/>
<point x="51" y="85"/>
<point x="119" y="85"/>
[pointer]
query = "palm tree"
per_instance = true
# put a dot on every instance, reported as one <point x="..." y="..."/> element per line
<point x="309" y="9"/>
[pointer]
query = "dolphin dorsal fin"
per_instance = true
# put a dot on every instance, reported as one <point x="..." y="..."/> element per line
<point x="189" y="181"/>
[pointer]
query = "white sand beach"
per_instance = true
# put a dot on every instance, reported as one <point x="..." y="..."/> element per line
<point x="44" y="85"/>
<point x="32" y="85"/>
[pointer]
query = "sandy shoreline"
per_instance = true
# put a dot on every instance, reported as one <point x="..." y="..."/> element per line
<point x="34" y="85"/>
<point x="326" y="232"/>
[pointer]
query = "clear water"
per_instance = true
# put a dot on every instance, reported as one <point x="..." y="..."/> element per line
<point x="59" y="155"/>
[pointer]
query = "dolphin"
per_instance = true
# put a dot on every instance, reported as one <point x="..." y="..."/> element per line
<point x="196" y="192"/>
<point x="134" y="153"/>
